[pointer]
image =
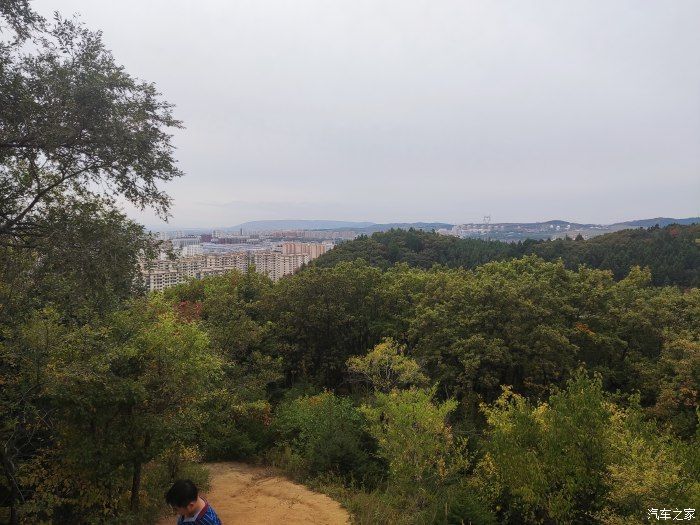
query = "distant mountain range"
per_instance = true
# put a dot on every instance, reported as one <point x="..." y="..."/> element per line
<point x="371" y="227"/>
<point x="401" y="226"/>
<point x="648" y="223"/>
<point x="368" y="228"/>
<point x="299" y="225"/>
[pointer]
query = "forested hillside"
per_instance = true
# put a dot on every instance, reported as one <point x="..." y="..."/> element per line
<point x="499" y="387"/>
<point x="672" y="253"/>
<point x="517" y="392"/>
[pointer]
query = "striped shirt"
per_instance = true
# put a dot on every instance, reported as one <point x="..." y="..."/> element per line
<point x="206" y="516"/>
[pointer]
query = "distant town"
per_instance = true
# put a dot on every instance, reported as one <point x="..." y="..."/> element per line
<point x="279" y="248"/>
<point x="183" y="256"/>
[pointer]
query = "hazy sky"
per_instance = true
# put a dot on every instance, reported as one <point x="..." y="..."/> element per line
<point x="404" y="110"/>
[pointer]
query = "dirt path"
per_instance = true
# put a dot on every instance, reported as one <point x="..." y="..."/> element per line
<point x="243" y="494"/>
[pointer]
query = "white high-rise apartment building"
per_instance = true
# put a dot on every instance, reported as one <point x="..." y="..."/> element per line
<point x="276" y="265"/>
<point x="191" y="250"/>
<point x="180" y="242"/>
<point x="163" y="273"/>
<point x="312" y="249"/>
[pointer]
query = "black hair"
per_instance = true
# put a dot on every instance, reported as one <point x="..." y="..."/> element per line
<point x="182" y="493"/>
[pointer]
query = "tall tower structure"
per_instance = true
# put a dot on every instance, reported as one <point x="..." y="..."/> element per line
<point x="487" y="226"/>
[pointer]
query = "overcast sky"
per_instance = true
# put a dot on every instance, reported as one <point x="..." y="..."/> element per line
<point x="407" y="110"/>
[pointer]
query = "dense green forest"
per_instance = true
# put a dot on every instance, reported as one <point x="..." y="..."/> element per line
<point x="672" y="253"/>
<point x="495" y="387"/>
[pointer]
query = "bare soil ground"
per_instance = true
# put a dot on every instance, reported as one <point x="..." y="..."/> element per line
<point x="244" y="494"/>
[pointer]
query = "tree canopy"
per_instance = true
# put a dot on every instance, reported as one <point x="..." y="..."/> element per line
<point x="672" y="253"/>
<point x="74" y="125"/>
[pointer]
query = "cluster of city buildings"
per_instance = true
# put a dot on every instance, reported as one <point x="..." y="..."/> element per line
<point x="184" y="257"/>
<point x="521" y="231"/>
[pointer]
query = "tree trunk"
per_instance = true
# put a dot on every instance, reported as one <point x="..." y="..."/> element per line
<point x="14" y="515"/>
<point x="136" y="486"/>
<point x="9" y="470"/>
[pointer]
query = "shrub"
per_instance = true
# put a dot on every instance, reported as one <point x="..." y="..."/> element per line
<point x="459" y="506"/>
<point x="234" y="429"/>
<point x="647" y="468"/>
<point x="323" y="433"/>
<point x="62" y="493"/>
<point x="548" y="462"/>
<point x="415" y="440"/>
<point x="581" y="459"/>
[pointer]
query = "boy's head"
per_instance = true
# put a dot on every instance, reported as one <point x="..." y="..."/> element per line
<point x="182" y="497"/>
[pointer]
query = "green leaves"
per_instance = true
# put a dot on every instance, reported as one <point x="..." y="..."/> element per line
<point x="321" y="433"/>
<point x="415" y="440"/>
<point x="386" y="367"/>
<point x="125" y="392"/>
<point x="322" y="317"/>
<point x="72" y="120"/>
<point x="579" y="459"/>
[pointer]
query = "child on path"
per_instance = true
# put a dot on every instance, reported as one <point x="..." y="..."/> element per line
<point x="191" y="508"/>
